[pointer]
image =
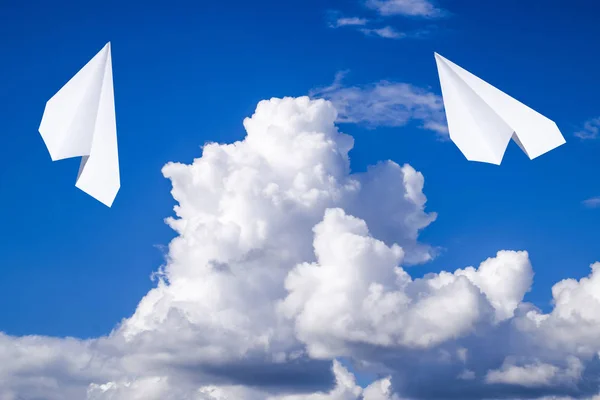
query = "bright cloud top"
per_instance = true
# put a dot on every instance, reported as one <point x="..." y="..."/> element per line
<point x="285" y="261"/>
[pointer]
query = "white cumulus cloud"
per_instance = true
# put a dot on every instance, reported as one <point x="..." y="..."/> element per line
<point x="285" y="262"/>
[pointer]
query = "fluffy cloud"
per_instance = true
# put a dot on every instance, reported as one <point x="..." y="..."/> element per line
<point x="573" y="326"/>
<point x="285" y="261"/>
<point x="385" y="104"/>
<point x="245" y="216"/>
<point x="246" y="213"/>
<point x="536" y="374"/>
<point x="36" y="367"/>
<point x="371" y="300"/>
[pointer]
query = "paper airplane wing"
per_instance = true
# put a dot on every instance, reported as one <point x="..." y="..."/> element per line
<point x="483" y="119"/>
<point x="479" y="133"/>
<point x="79" y="120"/>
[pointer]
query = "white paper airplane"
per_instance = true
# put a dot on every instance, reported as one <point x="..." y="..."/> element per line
<point x="79" y="121"/>
<point x="482" y="119"/>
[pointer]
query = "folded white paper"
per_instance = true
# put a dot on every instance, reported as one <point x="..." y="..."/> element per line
<point x="79" y="121"/>
<point x="482" y="119"/>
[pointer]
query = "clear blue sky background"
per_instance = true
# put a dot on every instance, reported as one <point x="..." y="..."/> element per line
<point x="189" y="72"/>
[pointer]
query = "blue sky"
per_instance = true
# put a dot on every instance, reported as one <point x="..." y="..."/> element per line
<point x="188" y="72"/>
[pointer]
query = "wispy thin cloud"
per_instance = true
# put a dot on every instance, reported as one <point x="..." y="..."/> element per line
<point x="413" y="8"/>
<point x="388" y="8"/>
<point x="386" y="32"/>
<point x="593" y="202"/>
<point x="390" y="33"/>
<point x="348" y="21"/>
<point x="590" y="130"/>
<point x="385" y="103"/>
